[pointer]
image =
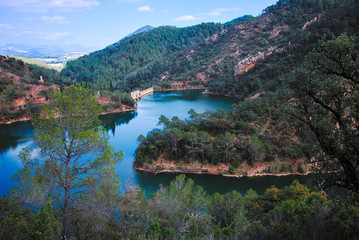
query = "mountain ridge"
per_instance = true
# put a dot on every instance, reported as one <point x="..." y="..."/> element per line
<point x="145" y="28"/>
<point x="212" y="54"/>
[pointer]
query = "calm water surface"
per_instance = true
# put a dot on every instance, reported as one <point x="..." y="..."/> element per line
<point x="124" y="128"/>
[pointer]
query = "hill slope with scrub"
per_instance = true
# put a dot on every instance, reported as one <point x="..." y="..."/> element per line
<point x="240" y="58"/>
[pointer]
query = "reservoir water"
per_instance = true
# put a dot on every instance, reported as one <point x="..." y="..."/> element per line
<point x="124" y="129"/>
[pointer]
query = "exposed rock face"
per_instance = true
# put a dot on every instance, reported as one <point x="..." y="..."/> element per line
<point x="164" y="76"/>
<point x="254" y="96"/>
<point x="211" y="39"/>
<point x="249" y="62"/>
<point x="311" y="21"/>
<point x="215" y="37"/>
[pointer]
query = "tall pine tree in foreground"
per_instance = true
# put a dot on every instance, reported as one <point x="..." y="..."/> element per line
<point x="75" y="163"/>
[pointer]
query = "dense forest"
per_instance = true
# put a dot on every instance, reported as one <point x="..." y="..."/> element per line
<point x="119" y="63"/>
<point x="226" y="137"/>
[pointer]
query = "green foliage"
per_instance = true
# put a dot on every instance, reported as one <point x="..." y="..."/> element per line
<point x="338" y="17"/>
<point x="45" y="225"/>
<point x="138" y="58"/>
<point x="198" y="138"/>
<point x="49" y="76"/>
<point x="75" y="160"/>
<point x="12" y="89"/>
<point x="321" y="92"/>
<point x="14" y="223"/>
<point x="345" y="220"/>
<point x="262" y="132"/>
<point x="158" y="232"/>
<point x="21" y="223"/>
<point x="298" y="213"/>
<point x="231" y="170"/>
<point x="30" y="73"/>
<point x="225" y="143"/>
<point x="184" y="210"/>
<point x="326" y="87"/>
<point x="257" y="151"/>
<point x="183" y="205"/>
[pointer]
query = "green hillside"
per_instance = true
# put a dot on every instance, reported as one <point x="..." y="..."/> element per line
<point x="270" y="45"/>
<point x="137" y="60"/>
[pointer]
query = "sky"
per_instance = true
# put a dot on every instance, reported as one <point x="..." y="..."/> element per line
<point x="99" y="23"/>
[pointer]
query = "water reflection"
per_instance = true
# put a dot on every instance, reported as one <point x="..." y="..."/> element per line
<point x="11" y="135"/>
<point x="191" y="95"/>
<point x="124" y="129"/>
<point x="220" y="184"/>
<point x="113" y="120"/>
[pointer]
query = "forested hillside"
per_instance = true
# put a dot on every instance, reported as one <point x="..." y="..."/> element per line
<point x="242" y="57"/>
<point x="139" y="60"/>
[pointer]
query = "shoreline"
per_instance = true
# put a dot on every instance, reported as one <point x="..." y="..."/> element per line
<point x="125" y="110"/>
<point x="219" y="94"/>
<point x="122" y="110"/>
<point x="178" y="89"/>
<point x="197" y="88"/>
<point x="29" y="119"/>
<point x="15" y="121"/>
<point x="185" y="170"/>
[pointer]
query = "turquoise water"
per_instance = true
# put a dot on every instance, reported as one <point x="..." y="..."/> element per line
<point x="124" y="129"/>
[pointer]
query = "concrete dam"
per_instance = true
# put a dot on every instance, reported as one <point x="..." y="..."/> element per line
<point x="138" y="94"/>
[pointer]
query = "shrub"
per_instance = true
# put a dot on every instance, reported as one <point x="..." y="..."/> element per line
<point x="232" y="170"/>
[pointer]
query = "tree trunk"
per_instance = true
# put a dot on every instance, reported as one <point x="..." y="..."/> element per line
<point x="227" y="150"/>
<point x="202" y="154"/>
<point x="176" y="150"/>
<point x="65" y="211"/>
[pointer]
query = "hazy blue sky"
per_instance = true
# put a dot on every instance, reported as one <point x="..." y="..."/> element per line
<point x="99" y="23"/>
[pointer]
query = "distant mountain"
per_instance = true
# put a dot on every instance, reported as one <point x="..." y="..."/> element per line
<point x="146" y="28"/>
<point x="141" y="30"/>
<point x="43" y="51"/>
